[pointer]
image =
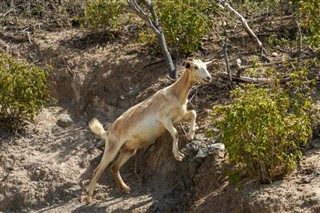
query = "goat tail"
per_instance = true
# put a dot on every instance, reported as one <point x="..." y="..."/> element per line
<point x="96" y="127"/>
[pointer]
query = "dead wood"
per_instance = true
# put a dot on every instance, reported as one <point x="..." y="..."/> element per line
<point x="224" y="4"/>
<point x="252" y="80"/>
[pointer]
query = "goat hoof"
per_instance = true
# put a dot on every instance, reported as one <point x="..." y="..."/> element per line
<point x="190" y="135"/>
<point x="180" y="157"/>
<point x="126" y="189"/>
<point x="88" y="200"/>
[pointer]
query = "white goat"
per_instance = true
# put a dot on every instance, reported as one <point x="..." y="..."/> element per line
<point x="143" y="123"/>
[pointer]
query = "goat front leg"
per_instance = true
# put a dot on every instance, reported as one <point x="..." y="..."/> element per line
<point x="191" y="115"/>
<point x="167" y="123"/>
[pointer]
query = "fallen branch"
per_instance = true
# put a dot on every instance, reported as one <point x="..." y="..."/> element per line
<point x="223" y="4"/>
<point x="253" y="80"/>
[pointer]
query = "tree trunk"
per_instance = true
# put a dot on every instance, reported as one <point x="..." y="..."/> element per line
<point x="154" y="24"/>
<point x="167" y="56"/>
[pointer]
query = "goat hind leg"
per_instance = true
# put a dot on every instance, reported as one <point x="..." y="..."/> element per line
<point x="124" y="156"/>
<point x="108" y="155"/>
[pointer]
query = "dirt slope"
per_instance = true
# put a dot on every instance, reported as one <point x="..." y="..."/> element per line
<point x="46" y="168"/>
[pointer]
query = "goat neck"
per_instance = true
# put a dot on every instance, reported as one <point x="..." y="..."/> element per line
<point x="182" y="86"/>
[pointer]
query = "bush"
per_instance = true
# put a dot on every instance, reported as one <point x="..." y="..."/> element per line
<point x="52" y="13"/>
<point x="184" y="22"/>
<point x="103" y="14"/>
<point x="264" y="128"/>
<point x="309" y="11"/>
<point x="23" y="91"/>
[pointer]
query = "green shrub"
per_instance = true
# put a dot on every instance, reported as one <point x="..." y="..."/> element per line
<point x="103" y="14"/>
<point x="52" y="13"/>
<point x="23" y="91"/>
<point x="309" y="11"/>
<point x="184" y="22"/>
<point x="264" y="128"/>
<point x="252" y="8"/>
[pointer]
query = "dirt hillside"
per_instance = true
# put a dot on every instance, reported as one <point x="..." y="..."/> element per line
<point x="46" y="167"/>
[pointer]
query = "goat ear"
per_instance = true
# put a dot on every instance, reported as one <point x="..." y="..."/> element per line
<point x="188" y="64"/>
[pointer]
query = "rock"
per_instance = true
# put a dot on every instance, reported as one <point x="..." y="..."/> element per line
<point x="216" y="147"/>
<point x="55" y="129"/>
<point x="196" y="149"/>
<point x="239" y="62"/>
<point x="200" y="137"/>
<point x="9" y="164"/>
<point x="274" y="54"/>
<point x="193" y="146"/>
<point x="202" y="153"/>
<point x="209" y="149"/>
<point x="64" y="120"/>
<point x="38" y="173"/>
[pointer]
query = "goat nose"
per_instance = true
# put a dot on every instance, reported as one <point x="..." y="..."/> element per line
<point x="209" y="78"/>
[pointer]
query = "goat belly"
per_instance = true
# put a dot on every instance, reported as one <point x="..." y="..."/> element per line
<point x="144" y="136"/>
<point x="149" y="130"/>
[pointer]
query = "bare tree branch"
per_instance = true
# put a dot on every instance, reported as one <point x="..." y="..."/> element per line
<point x="141" y="13"/>
<point x="154" y="24"/>
<point x="300" y="40"/>
<point x="227" y="63"/>
<point x="223" y="4"/>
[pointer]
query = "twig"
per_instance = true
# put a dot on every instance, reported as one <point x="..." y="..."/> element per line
<point x="216" y="32"/>
<point x="29" y="37"/>
<point x="300" y="40"/>
<point x="6" y="13"/>
<point x="263" y="56"/>
<point x="28" y="34"/>
<point x="153" y="63"/>
<point x="184" y="131"/>
<point x="227" y="63"/>
<point x="194" y="95"/>
<point x="190" y="100"/>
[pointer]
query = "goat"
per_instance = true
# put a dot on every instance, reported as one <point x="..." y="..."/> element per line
<point x="143" y="123"/>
